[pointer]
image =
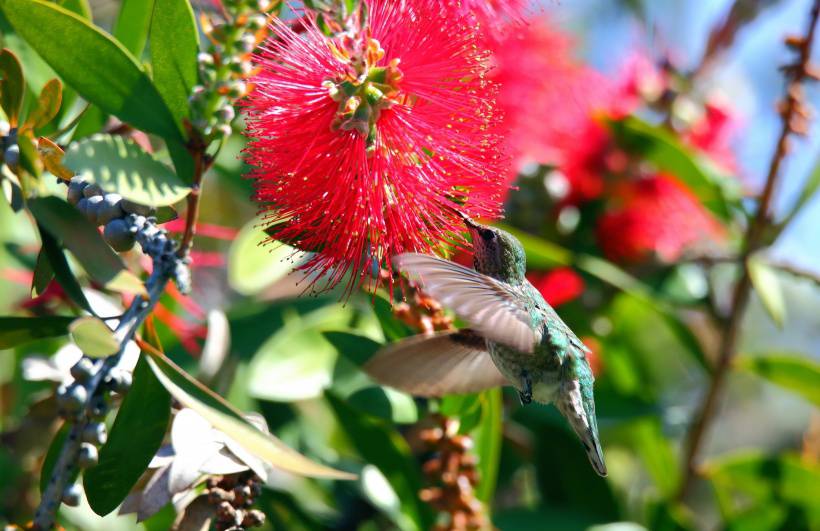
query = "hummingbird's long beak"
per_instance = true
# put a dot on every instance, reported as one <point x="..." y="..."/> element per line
<point x="472" y="225"/>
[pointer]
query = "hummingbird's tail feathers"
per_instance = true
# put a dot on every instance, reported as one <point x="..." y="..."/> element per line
<point x="490" y="306"/>
<point x="445" y="363"/>
<point x="579" y="410"/>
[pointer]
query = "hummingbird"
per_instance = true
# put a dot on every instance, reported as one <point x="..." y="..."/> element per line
<point x="515" y="337"/>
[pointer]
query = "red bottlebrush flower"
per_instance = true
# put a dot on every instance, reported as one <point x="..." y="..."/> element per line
<point x="363" y="144"/>
<point x="549" y="99"/>
<point x="495" y="17"/>
<point x="655" y="217"/>
<point x="558" y="286"/>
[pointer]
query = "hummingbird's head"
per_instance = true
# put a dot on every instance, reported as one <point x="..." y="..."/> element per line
<point x="497" y="253"/>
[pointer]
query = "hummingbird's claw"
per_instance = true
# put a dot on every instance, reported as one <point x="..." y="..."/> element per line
<point x="525" y="395"/>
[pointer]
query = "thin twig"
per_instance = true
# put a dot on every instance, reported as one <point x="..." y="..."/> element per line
<point x="67" y="462"/>
<point x="792" y="109"/>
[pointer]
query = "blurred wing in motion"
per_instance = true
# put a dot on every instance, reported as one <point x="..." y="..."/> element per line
<point x="492" y="309"/>
<point x="446" y="363"/>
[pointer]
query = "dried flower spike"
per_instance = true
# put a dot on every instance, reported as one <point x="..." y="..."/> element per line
<point x="363" y="143"/>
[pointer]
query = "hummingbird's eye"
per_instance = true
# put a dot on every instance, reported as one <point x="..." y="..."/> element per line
<point x="488" y="234"/>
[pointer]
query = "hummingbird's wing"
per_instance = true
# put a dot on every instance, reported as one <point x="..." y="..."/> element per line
<point x="445" y="363"/>
<point x="491" y="307"/>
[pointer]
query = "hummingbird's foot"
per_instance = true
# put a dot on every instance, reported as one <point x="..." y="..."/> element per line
<point x="525" y="395"/>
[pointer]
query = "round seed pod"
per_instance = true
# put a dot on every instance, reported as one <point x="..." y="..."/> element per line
<point x="92" y="211"/>
<point x="82" y="370"/>
<point x="95" y="433"/>
<point x="135" y="208"/>
<point x="99" y="407"/>
<point x="88" y="455"/>
<point x="12" y="156"/>
<point x="72" y="495"/>
<point x="117" y="235"/>
<point x="92" y="190"/>
<point x="110" y="208"/>
<point x="119" y="381"/>
<point x="75" y="189"/>
<point x="71" y="400"/>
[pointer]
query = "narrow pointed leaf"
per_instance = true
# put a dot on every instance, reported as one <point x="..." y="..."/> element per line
<point x="793" y="372"/>
<point x="133" y="21"/>
<point x="18" y="330"/>
<point x="135" y="437"/>
<point x="174" y="47"/>
<point x="68" y="226"/>
<point x="62" y="271"/>
<point x="381" y="445"/>
<point x="224" y="418"/>
<point x="487" y="437"/>
<point x="120" y="165"/>
<point x="92" y="62"/>
<point x="93" y="337"/>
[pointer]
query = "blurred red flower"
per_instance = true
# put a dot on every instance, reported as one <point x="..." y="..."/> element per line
<point x="363" y="144"/>
<point x="549" y="99"/>
<point x="558" y="286"/>
<point x="654" y="217"/>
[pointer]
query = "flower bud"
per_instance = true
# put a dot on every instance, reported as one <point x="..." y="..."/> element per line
<point x="118" y="235"/>
<point x="256" y="22"/>
<point x="226" y="113"/>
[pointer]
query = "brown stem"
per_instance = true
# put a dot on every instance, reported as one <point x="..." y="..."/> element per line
<point x="201" y="164"/>
<point x="754" y="241"/>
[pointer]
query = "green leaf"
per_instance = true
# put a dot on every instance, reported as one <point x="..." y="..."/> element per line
<point x="18" y="330"/>
<point x="795" y="373"/>
<point x="382" y="446"/>
<point x="356" y="348"/>
<point x="12" y="86"/>
<point x="385" y="403"/>
<point x="120" y="165"/>
<point x="488" y="439"/>
<point x="225" y="418"/>
<point x="69" y="227"/>
<point x="133" y="21"/>
<point x="93" y="337"/>
<point x="62" y="271"/>
<point x="43" y="273"/>
<point x="174" y="47"/>
<point x="135" y="437"/>
<point x="48" y="104"/>
<point x="297" y="362"/>
<point x="254" y="264"/>
<point x="80" y="7"/>
<point x="768" y="288"/>
<point x="98" y="67"/>
<point x="665" y="151"/>
<point x="750" y="481"/>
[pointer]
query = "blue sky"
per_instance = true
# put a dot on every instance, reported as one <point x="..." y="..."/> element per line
<point x="747" y="75"/>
